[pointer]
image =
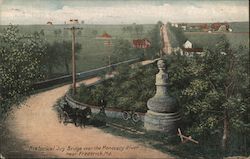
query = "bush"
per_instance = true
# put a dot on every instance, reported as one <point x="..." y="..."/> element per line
<point x="129" y="90"/>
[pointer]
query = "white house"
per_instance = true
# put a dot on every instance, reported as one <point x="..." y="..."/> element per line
<point x="187" y="44"/>
<point x="184" y="27"/>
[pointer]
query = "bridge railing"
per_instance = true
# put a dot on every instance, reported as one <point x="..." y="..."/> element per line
<point x="79" y="76"/>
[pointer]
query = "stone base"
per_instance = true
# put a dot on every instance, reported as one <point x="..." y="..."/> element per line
<point x="165" y="122"/>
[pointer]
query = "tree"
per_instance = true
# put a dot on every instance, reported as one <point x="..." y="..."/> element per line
<point x="20" y="65"/>
<point x="57" y="32"/>
<point x="35" y="33"/>
<point x="176" y="35"/>
<point x="156" y="41"/>
<point x="51" y="61"/>
<point x="42" y="32"/>
<point x="65" y="53"/>
<point x="59" y="54"/>
<point x="139" y="30"/>
<point x="122" y="50"/>
<point x="213" y="90"/>
<point x="130" y="29"/>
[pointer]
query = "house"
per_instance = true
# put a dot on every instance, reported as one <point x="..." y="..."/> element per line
<point x="216" y="26"/>
<point x="141" y="43"/>
<point x="107" y="39"/>
<point x="105" y="35"/>
<point x="183" y="26"/>
<point x="175" y="25"/>
<point x="49" y="23"/>
<point x="108" y="42"/>
<point x="188" y="49"/>
<point x="223" y="28"/>
<point x="187" y="44"/>
<point x="204" y="27"/>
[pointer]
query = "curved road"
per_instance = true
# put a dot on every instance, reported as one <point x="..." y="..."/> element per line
<point x="37" y="123"/>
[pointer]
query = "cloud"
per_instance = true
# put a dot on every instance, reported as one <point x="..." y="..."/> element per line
<point x="140" y="13"/>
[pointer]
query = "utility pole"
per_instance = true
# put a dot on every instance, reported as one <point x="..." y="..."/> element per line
<point x="73" y="29"/>
<point x="109" y="61"/>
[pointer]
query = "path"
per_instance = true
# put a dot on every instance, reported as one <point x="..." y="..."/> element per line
<point x="166" y="42"/>
<point x="37" y="123"/>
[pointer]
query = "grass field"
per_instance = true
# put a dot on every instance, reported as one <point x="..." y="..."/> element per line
<point x="94" y="53"/>
<point x="239" y="36"/>
<point x="240" y="26"/>
<point x="203" y="39"/>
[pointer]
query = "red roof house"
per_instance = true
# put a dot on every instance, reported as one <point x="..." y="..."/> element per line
<point x="141" y="43"/>
<point x="216" y="26"/>
<point x="105" y="36"/>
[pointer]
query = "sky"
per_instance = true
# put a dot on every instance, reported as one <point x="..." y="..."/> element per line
<point x="121" y="11"/>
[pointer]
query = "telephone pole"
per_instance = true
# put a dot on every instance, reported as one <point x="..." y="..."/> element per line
<point x="73" y="29"/>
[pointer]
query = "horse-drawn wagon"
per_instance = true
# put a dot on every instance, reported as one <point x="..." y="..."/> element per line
<point x="79" y="117"/>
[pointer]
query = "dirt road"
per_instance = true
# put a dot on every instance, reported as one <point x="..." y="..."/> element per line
<point x="166" y="42"/>
<point x="37" y="123"/>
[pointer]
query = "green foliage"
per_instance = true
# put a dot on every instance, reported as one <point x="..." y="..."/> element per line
<point x="177" y="37"/>
<point x="209" y="40"/>
<point x="123" y="51"/>
<point x="139" y="30"/>
<point x="83" y="94"/>
<point x="42" y="32"/>
<point x="57" y="32"/>
<point x="156" y="41"/>
<point x="20" y="64"/>
<point x="207" y="87"/>
<point x="93" y="50"/>
<point x="129" y="90"/>
<point x="60" y="54"/>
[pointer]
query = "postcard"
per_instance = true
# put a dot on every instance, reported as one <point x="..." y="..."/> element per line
<point x="124" y="79"/>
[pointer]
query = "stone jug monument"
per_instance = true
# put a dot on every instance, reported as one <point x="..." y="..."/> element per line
<point x="163" y="114"/>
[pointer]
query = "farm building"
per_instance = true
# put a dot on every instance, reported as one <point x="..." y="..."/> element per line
<point x="187" y="44"/>
<point x="188" y="49"/>
<point x="141" y="43"/>
<point x="217" y="26"/>
<point x="107" y="39"/>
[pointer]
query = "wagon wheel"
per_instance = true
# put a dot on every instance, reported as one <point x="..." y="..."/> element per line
<point x="125" y="115"/>
<point x="135" y="117"/>
<point x="60" y="117"/>
<point x="65" y="123"/>
<point x="65" y="117"/>
<point x="78" y="122"/>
